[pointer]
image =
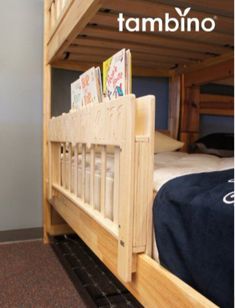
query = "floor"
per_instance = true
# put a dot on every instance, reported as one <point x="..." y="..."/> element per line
<point x="32" y="276"/>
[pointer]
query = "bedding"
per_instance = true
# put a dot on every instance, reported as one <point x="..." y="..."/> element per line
<point x="194" y="226"/>
<point x="166" y="166"/>
<point x="220" y="144"/>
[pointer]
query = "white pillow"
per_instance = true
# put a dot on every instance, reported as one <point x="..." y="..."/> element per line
<point x="163" y="143"/>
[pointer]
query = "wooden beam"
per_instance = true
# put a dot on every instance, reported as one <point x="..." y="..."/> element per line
<point x="222" y="8"/>
<point x="136" y="71"/>
<point x="209" y="73"/>
<point x="77" y="17"/>
<point x="149" y="8"/>
<point x="151" y="63"/>
<point x="216" y="105"/>
<point x="139" y="47"/>
<point x="206" y="63"/>
<point x="155" y="39"/>
<point x="60" y="230"/>
<point x="99" y="51"/>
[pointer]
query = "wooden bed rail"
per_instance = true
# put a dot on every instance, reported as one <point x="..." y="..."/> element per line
<point x="56" y="11"/>
<point x="77" y="139"/>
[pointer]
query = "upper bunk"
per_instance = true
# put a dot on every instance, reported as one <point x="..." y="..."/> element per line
<point x="83" y="33"/>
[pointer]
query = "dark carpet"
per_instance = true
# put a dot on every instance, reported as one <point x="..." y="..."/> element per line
<point x="32" y="276"/>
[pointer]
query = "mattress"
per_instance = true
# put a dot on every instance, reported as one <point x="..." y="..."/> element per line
<point x="166" y="167"/>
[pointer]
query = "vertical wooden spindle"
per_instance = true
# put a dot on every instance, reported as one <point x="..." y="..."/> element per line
<point x="75" y="180"/>
<point x="116" y="184"/>
<point x="70" y="167"/>
<point x="92" y="174"/>
<point x="103" y="179"/>
<point x="83" y="171"/>
<point x="64" y="165"/>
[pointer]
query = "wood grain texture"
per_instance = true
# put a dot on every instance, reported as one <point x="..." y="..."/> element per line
<point x="152" y="285"/>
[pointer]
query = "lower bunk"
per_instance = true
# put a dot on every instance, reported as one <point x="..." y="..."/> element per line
<point x="151" y="284"/>
<point x="108" y="202"/>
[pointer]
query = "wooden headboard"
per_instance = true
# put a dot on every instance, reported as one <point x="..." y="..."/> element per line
<point x="193" y="103"/>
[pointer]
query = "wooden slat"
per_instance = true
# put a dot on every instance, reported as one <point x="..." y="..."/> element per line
<point x="83" y="171"/>
<point x="136" y="62"/>
<point x="103" y="179"/>
<point x="99" y="52"/>
<point x="107" y="224"/>
<point x="218" y="112"/>
<point x="155" y="39"/>
<point x="214" y="38"/>
<point x="116" y="184"/>
<point x="70" y="167"/>
<point x="137" y="71"/>
<point x="210" y="73"/>
<point x="92" y="174"/>
<point x="222" y="8"/>
<point x="64" y="166"/>
<point x="216" y="104"/>
<point x="76" y="170"/>
<point x="221" y="101"/>
<point x="212" y="61"/>
<point x="73" y="23"/>
<point x="138" y="47"/>
<point x="149" y="8"/>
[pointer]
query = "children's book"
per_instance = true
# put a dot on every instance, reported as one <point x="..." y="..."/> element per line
<point x="76" y="95"/>
<point x="117" y="75"/>
<point x="90" y="87"/>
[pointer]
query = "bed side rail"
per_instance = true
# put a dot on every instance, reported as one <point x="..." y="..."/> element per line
<point x="77" y="140"/>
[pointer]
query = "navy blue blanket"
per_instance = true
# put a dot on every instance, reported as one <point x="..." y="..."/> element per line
<point x="194" y="226"/>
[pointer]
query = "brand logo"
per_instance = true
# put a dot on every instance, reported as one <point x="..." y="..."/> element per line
<point x="168" y="24"/>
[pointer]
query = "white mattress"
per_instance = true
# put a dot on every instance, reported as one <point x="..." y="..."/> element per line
<point x="173" y="164"/>
<point x="166" y="167"/>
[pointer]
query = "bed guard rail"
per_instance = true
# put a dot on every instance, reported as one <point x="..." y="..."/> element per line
<point x="101" y="158"/>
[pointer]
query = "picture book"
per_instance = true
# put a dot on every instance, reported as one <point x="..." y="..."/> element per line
<point x="76" y="95"/>
<point x="117" y="75"/>
<point x="90" y="87"/>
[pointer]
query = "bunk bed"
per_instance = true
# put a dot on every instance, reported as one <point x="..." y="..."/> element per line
<point x="80" y="34"/>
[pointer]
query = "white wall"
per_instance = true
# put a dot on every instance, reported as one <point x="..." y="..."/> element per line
<point x="21" y="30"/>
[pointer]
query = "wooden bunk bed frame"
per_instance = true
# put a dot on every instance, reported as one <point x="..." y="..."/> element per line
<point x="80" y="34"/>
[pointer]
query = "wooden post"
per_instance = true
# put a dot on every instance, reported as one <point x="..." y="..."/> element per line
<point x="126" y="198"/>
<point x="174" y="105"/>
<point x="46" y="117"/>
<point x="190" y="116"/>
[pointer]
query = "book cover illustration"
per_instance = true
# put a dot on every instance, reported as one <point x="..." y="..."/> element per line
<point x="114" y="75"/>
<point x="76" y="95"/>
<point x="89" y="86"/>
